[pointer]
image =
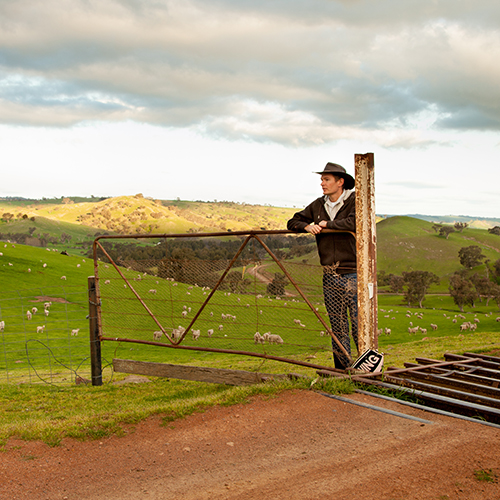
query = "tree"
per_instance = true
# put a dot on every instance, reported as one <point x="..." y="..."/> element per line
<point x="396" y="283"/>
<point x="494" y="230"/>
<point x="470" y="256"/>
<point x="437" y="227"/>
<point x="462" y="291"/>
<point x="277" y="285"/>
<point x="446" y="231"/>
<point x="460" y="226"/>
<point x="484" y="287"/>
<point x="418" y="283"/>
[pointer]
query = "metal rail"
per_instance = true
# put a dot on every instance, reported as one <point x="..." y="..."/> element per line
<point x="467" y="384"/>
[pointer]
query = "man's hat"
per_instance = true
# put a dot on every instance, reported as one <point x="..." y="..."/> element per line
<point x="339" y="171"/>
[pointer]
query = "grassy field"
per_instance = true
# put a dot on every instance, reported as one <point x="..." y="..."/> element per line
<point x="39" y="399"/>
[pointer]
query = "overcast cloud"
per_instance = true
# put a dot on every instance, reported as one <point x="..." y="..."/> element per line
<point x="275" y="84"/>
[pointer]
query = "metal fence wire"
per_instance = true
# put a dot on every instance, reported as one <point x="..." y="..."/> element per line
<point x="260" y="298"/>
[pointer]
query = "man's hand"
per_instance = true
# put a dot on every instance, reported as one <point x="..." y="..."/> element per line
<point x="315" y="228"/>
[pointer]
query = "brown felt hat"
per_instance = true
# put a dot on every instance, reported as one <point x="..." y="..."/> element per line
<point x="339" y="171"/>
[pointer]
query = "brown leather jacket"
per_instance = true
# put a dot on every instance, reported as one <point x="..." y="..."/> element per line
<point x="334" y="249"/>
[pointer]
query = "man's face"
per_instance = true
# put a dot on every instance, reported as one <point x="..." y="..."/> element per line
<point x="331" y="186"/>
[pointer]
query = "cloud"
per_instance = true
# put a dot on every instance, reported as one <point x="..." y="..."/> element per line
<point x="296" y="72"/>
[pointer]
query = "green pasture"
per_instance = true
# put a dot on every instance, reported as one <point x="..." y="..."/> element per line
<point x="57" y="355"/>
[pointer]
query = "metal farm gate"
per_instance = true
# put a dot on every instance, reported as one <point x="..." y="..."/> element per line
<point x="245" y="293"/>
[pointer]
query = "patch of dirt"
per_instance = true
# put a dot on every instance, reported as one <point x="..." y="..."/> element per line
<point x="297" y="445"/>
<point x="46" y="298"/>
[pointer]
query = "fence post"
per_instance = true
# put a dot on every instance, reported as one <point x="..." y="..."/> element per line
<point x="366" y="246"/>
<point x="95" y="341"/>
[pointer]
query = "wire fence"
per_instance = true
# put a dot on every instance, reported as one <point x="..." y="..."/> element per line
<point x="250" y="303"/>
<point x="44" y="335"/>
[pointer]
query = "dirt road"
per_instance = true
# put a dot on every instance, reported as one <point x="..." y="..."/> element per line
<point x="298" y="445"/>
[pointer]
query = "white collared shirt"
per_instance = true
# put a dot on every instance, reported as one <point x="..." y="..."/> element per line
<point x="332" y="207"/>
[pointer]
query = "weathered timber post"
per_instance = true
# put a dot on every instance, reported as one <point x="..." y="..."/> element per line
<point x="95" y="340"/>
<point x="366" y="246"/>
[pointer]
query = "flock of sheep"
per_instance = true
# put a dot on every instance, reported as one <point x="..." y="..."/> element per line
<point x="413" y="330"/>
<point x="34" y="310"/>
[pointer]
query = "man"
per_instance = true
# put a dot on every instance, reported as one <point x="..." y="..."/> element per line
<point x="337" y="252"/>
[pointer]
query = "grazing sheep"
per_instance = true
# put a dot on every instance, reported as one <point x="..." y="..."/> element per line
<point x="387" y="331"/>
<point x="152" y="290"/>
<point x="380" y="331"/>
<point x="464" y="326"/>
<point x="157" y="335"/>
<point x="220" y="327"/>
<point x="434" y="327"/>
<point x="473" y="327"/>
<point x="46" y="305"/>
<point x="40" y="329"/>
<point x="413" y="330"/>
<point x="107" y="282"/>
<point x="28" y="314"/>
<point x="476" y="320"/>
<point x="454" y="320"/>
<point x="34" y="310"/>
<point x="184" y="314"/>
<point x="210" y="332"/>
<point x="177" y="332"/>
<point x="2" y="326"/>
<point x="423" y="331"/>
<point x="258" y="338"/>
<point x="497" y="319"/>
<point x="74" y="332"/>
<point x="63" y="277"/>
<point x="196" y="334"/>
<point x="274" y="339"/>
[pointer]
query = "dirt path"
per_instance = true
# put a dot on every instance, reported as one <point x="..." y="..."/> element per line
<point x="298" y="445"/>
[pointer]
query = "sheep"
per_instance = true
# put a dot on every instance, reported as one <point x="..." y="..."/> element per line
<point x="34" y="310"/>
<point x="157" y="335"/>
<point x="423" y="331"/>
<point x="184" y="314"/>
<point x="434" y="327"/>
<point x="454" y="320"/>
<point x="196" y="334"/>
<point x="296" y="321"/>
<point x="2" y="326"/>
<point x="221" y="327"/>
<point x="177" y="332"/>
<point x="464" y="326"/>
<point x="40" y="329"/>
<point x="28" y="314"/>
<point x="63" y="277"/>
<point x="380" y="331"/>
<point x="46" y="305"/>
<point x="497" y="319"/>
<point x="152" y="290"/>
<point x="413" y="330"/>
<point x="258" y="338"/>
<point x="476" y="320"/>
<point x="274" y="339"/>
<point x="78" y="265"/>
<point x="387" y="331"/>
<point x="74" y="332"/>
<point x="210" y="332"/>
<point x="473" y="327"/>
<point x="107" y="282"/>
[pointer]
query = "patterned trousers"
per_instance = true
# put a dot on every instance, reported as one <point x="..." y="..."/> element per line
<point x="341" y="297"/>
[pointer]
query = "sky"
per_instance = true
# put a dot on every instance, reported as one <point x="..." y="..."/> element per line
<point x="243" y="100"/>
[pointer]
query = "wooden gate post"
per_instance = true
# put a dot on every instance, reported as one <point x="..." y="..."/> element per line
<point x="366" y="246"/>
<point x="95" y="341"/>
